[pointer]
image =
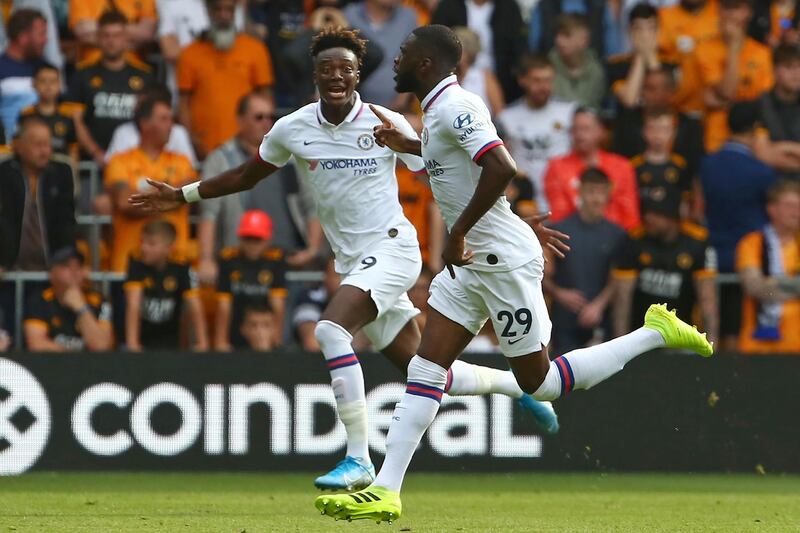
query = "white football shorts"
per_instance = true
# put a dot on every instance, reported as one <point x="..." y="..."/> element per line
<point x="513" y="300"/>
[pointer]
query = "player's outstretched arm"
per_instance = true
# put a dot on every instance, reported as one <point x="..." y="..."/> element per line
<point x="387" y="134"/>
<point x="498" y="168"/>
<point x="164" y="197"/>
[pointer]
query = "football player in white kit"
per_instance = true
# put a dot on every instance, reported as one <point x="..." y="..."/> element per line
<point x="377" y="254"/>
<point x="494" y="269"/>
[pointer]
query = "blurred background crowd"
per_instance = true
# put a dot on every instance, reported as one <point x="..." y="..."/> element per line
<point x="664" y="137"/>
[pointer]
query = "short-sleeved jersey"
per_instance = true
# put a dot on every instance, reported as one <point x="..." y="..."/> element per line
<point x="458" y="132"/>
<point x="751" y="253"/>
<point x="351" y="178"/>
<point x="108" y="96"/>
<point x="665" y="272"/>
<point x="62" y="127"/>
<point x="163" y="292"/>
<point x="755" y="78"/>
<point x="217" y="80"/>
<point x="131" y="169"/>
<point x="249" y="282"/>
<point x="535" y="136"/>
<point x="45" y="310"/>
<point x="669" y="181"/>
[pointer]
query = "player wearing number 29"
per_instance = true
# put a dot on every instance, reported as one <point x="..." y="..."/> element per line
<point x="498" y="278"/>
<point x="377" y="254"/>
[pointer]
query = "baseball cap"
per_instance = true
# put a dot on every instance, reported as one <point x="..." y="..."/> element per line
<point x="63" y="255"/>
<point x="255" y="223"/>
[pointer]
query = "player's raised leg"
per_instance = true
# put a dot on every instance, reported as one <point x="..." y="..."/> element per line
<point x="427" y="377"/>
<point x="586" y="367"/>
<point x="348" y="311"/>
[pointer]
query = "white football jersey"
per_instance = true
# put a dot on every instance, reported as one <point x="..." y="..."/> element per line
<point x="458" y="131"/>
<point x="534" y="136"/>
<point x="352" y="179"/>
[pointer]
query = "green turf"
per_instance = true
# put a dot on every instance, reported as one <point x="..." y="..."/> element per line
<point x="45" y="502"/>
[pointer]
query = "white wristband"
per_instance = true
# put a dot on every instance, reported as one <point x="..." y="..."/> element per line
<point x="191" y="192"/>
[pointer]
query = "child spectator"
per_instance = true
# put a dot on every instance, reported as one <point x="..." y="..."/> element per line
<point x="156" y="290"/>
<point x="661" y="175"/>
<point x="253" y="273"/>
<point x="579" y="74"/>
<point x="768" y="261"/>
<point x="258" y="328"/>
<point x="65" y="317"/>
<point x="57" y="115"/>
<point x="732" y="68"/>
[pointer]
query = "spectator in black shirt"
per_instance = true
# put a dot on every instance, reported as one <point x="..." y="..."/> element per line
<point x="107" y="87"/>
<point x="155" y="291"/>
<point x="665" y="261"/>
<point x="57" y="115"/>
<point x="37" y="203"/>
<point x="580" y="283"/>
<point x="66" y="317"/>
<point x="661" y="174"/>
<point x="658" y="91"/>
<point x="253" y="273"/>
<point x="258" y="328"/>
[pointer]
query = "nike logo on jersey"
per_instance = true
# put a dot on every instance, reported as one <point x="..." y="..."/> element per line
<point x="510" y="341"/>
<point x="306" y="143"/>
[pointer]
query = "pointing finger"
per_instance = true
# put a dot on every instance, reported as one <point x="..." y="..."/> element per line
<point x="386" y="122"/>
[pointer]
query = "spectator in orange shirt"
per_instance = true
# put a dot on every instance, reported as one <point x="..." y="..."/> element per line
<point x="141" y="16"/>
<point x="769" y="264"/>
<point x="732" y="68"/>
<point x="129" y="171"/>
<point x="214" y="72"/>
<point x="562" y="176"/>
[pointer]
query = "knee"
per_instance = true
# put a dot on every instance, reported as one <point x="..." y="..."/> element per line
<point x="327" y="333"/>
<point x="530" y="382"/>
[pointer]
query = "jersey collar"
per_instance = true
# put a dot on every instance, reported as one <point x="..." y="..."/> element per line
<point x="437" y="91"/>
<point x="358" y="108"/>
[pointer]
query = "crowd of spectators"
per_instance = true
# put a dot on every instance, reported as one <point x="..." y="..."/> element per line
<point x="663" y="136"/>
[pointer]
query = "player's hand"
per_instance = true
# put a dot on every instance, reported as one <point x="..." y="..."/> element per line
<point x="454" y="254"/>
<point x="553" y="239"/>
<point x="386" y="134"/>
<point x="73" y="298"/>
<point x="161" y="197"/>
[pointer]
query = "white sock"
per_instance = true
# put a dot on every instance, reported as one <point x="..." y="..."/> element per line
<point x="347" y="381"/>
<point x="411" y="418"/>
<point x="586" y="367"/>
<point x="464" y="379"/>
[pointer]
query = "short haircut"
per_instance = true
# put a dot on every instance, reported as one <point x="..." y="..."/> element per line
<point x="470" y="42"/>
<point x="594" y="175"/>
<point x="45" y="66"/>
<point x="785" y="54"/>
<point x="662" y="70"/>
<point x="658" y="114"/>
<point x="25" y="122"/>
<point x="144" y="109"/>
<point x="569" y="22"/>
<point x="156" y="90"/>
<point x="733" y="4"/>
<point x="22" y="21"/>
<point x="441" y="43"/>
<point x="160" y="228"/>
<point x="780" y="188"/>
<point x="339" y="38"/>
<point x="532" y="61"/>
<point x="642" y="10"/>
<point x="587" y="110"/>
<point x="244" y="102"/>
<point x="257" y="308"/>
<point x="744" y="117"/>
<point x="112" y="16"/>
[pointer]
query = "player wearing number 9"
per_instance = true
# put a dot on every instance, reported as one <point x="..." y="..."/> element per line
<point x="376" y="248"/>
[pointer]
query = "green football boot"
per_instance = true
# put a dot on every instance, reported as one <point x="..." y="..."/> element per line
<point x="372" y="503"/>
<point x="676" y="332"/>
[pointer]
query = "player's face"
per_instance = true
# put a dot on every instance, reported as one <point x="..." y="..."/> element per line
<point x="538" y="85"/>
<point x="405" y="67"/>
<point x="46" y="85"/>
<point x="659" y="132"/>
<point x="594" y="198"/>
<point x="112" y="40"/>
<point x="33" y="146"/>
<point x="787" y="76"/>
<point x="253" y="248"/>
<point x="154" y="249"/>
<point x="784" y="212"/>
<point x="336" y="75"/>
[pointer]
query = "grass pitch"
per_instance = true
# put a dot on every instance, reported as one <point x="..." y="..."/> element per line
<point x="147" y="502"/>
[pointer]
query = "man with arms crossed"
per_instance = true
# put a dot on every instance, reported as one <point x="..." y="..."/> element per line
<point x="377" y="254"/>
<point x="494" y="269"/>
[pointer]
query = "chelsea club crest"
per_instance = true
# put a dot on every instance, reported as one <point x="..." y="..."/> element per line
<point x="365" y="141"/>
